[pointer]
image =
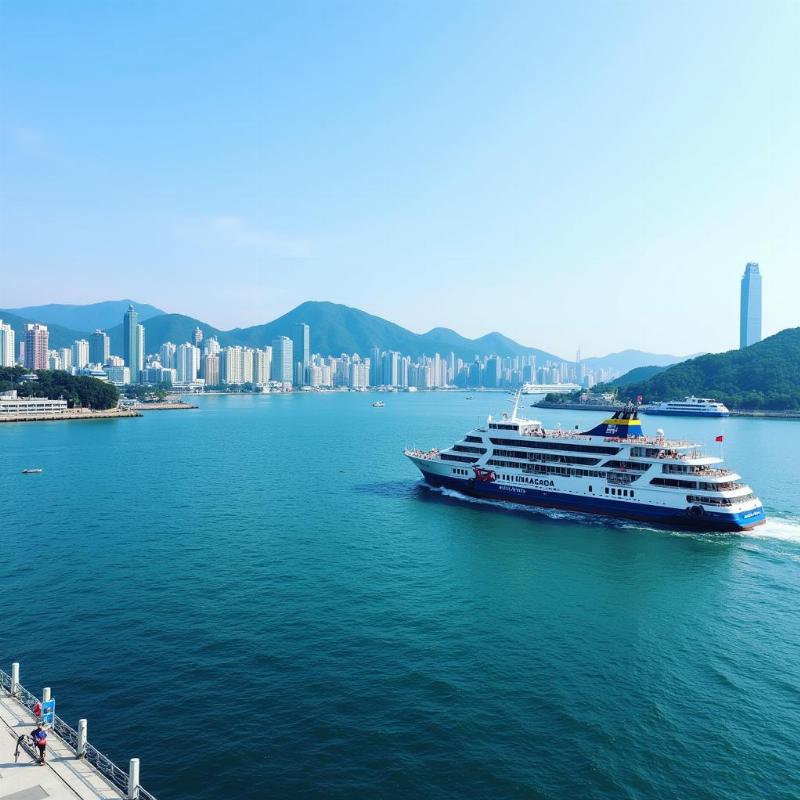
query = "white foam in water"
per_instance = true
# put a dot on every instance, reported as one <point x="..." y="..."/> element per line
<point x="777" y="528"/>
<point x="782" y="528"/>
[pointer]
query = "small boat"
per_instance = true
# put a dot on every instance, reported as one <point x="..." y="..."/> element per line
<point x="468" y="397"/>
<point x="31" y="471"/>
<point x="378" y="404"/>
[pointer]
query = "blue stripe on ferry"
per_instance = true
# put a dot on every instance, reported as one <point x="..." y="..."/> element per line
<point x="711" y="520"/>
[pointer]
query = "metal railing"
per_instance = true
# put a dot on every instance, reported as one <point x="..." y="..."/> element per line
<point x="102" y="763"/>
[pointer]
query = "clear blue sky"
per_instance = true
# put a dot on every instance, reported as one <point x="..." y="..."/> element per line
<point x="581" y="173"/>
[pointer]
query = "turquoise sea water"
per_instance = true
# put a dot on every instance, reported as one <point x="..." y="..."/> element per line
<point x="259" y="599"/>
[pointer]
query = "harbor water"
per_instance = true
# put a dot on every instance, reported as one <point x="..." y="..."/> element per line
<point x="259" y="598"/>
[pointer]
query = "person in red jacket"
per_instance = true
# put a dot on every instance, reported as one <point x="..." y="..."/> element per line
<point x="39" y="736"/>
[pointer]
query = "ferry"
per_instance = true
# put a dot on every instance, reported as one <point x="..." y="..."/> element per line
<point x="689" y="406"/>
<point x="612" y="469"/>
<point x="378" y="404"/>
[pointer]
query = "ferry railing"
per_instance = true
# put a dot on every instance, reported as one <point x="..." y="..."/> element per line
<point x="101" y="762"/>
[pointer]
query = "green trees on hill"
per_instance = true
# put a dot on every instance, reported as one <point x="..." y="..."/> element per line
<point x="765" y="375"/>
<point x="77" y="390"/>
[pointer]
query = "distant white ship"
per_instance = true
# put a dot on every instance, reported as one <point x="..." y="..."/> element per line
<point x="550" y="388"/>
<point x="611" y="469"/>
<point x="689" y="406"/>
<point x="378" y="404"/>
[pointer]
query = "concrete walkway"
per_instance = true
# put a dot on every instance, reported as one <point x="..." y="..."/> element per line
<point x="63" y="777"/>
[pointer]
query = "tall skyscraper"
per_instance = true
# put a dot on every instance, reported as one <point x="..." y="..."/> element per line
<point x="99" y="347"/>
<point x="198" y="336"/>
<point x="141" y="350"/>
<point x="36" y="340"/>
<point x="80" y="353"/>
<point x="167" y="355"/>
<point x="750" y="311"/>
<point x="187" y="362"/>
<point x="282" y="359"/>
<point x="6" y="345"/>
<point x="301" y="345"/>
<point x="130" y="344"/>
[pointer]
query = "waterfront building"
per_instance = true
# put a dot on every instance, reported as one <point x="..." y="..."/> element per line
<point x="11" y="403"/>
<point x="99" y="347"/>
<point x="248" y="355"/>
<point x="166" y="355"/>
<point x="118" y="374"/>
<point x="209" y="369"/>
<point x="391" y="368"/>
<point x="187" y="362"/>
<point x="36" y="340"/>
<point x="750" y="311"/>
<point x="7" y="337"/>
<point x="301" y="346"/>
<point x="141" y="352"/>
<point x="130" y="342"/>
<point x="116" y="361"/>
<point x="231" y="366"/>
<point x="80" y="353"/>
<point x="282" y="360"/>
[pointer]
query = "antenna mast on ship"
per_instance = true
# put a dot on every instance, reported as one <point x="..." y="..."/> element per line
<point x="517" y="398"/>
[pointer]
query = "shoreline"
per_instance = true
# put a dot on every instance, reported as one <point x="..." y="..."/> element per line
<point x="71" y="415"/>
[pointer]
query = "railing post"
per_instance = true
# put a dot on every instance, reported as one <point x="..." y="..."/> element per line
<point x="14" y="678"/>
<point x="80" y="750"/>
<point x="133" y="780"/>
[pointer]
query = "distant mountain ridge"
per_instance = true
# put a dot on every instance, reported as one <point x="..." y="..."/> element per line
<point x="85" y="317"/>
<point x="59" y="335"/>
<point x="335" y="329"/>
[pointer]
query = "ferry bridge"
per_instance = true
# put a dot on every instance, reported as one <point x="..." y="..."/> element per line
<point x="74" y="768"/>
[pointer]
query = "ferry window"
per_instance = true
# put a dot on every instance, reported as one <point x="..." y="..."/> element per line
<point x="590" y="488"/>
<point x="625" y="492"/>
<point x="606" y="489"/>
<point x="631" y="492"/>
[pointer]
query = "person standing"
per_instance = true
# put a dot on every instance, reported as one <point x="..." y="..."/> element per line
<point x="39" y="736"/>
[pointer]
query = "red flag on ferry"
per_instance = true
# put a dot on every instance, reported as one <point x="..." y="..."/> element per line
<point x="719" y="438"/>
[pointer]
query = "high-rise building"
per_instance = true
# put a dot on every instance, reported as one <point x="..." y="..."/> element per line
<point x="65" y="354"/>
<point x="166" y="355"/>
<point x="491" y="373"/>
<point x="99" y="347"/>
<point x="130" y="343"/>
<point x="301" y="345"/>
<point x="210" y="369"/>
<point x="80" y="353"/>
<point x="391" y="368"/>
<point x="198" y="336"/>
<point x="187" y="362"/>
<point x="750" y="311"/>
<point x="282" y="359"/>
<point x="140" y="354"/>
<point x="6" y="345"/>
<point x="36" y="340"/>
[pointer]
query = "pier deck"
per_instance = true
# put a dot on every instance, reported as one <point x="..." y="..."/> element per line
<point x="63" y="777"/>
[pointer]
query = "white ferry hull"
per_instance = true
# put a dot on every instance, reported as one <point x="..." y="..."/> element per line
<point x="639" y="512"/>
<point x="679" y="413"/>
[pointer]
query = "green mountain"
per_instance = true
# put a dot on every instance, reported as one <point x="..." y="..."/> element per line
<point x="335" y="329"/>
<point x="59" y="335"/>
<point x="636" y="375"/>
<point x="88" y="317"/>
<point x="765" y="375"/>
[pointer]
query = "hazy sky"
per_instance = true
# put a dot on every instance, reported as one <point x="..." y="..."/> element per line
<point x="590" y="174"/>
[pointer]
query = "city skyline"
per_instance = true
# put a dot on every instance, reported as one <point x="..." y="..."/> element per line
<point x="516" y="158"/>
